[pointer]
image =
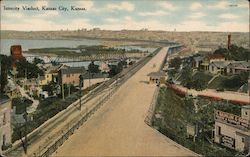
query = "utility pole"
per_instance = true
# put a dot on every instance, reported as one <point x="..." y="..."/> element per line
<point x="62" y="91"/>
<point x="25" y="141"/>
<point x="81" y="83"/>
<point x="25" y="131"/>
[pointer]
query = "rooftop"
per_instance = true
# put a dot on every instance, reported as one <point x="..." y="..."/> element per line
<point x="73" y="70"/>
<point x="215" y="56"/>
<point x="3" y="99"/>
<point x="220" y="64"/>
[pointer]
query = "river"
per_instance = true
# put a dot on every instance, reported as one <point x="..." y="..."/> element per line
<point x="30" y="44"/>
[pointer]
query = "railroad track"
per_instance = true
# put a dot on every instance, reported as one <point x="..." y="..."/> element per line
<point x="48" y="126"/>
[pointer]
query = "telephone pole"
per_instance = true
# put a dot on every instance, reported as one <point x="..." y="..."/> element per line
<point x="81" y="83"/>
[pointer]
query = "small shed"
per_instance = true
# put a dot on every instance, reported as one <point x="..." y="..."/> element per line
<point x="157" y="77"/>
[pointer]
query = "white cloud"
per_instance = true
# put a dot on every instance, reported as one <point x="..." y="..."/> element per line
<point x="195" y="6"/>
<point x="43" y="24"/>
<point x="156" y="13"/>
<point x="111" y="20"/>
<point x="41" y="3"/>
<point x="121" y="6"/>
<point x="197" y="15"/>
<point x="47" y="14"/>
<point x="219" y="5"/>
<point x="128" y="18"/>
<point x="167" y="5"/>
<point x="228" y="16"/>
<point x="88" y="4"/>
<point x="244" y="5"/>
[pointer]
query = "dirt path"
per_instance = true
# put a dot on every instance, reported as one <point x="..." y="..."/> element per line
<point x="118" y="128"/>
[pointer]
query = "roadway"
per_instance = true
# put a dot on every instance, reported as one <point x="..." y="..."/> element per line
<point x="118" y="128"/>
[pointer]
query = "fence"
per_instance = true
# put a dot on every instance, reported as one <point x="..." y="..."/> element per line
<point x="151" y="111"/>
<point x="61" y="139"/>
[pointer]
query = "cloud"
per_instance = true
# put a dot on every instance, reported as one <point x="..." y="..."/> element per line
<point x="43" y="24"/>
<point x="47" y="14"/>
<point x="197" y="15"/>
<point x="156" y="13"/>
<point x="195" y="6"/>
<point x="41" y="3"/>
<point x="228" y="16"/>
<point x="168" y="6"/>
<point x="121" y="6"/>
<point x="111" y="20"/>
<point x="219" y="5"/>
<point x="86" y="4"/>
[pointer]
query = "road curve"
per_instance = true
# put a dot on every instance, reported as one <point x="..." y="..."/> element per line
<point x="118" y="128"/>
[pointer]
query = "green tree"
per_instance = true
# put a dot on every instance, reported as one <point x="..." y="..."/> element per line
<point x="199" y="83"/>
<point x="115" y="69"/>
<point x="50" y="88"/>
<point x="236" y="81"/>
<point x="93" y="68"/>
<point x="30" y="70"/>
<point x="6" y="63"/>
<point x="176" y="63"/>
<point x="234" y="53"/>
<point x="187" y="80"/>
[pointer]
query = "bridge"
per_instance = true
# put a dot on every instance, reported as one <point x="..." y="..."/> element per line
<point x="83" y="58"/>
<point x="111" y="122"/>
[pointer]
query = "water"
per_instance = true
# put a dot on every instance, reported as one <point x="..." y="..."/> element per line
<point x="5" y="45"/>
<point x="30" y="44"/>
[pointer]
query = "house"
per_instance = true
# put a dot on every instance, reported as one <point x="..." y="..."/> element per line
<point x="103" y="67"/>
<point x="51" y="74"/>
<point x="91" y="79"/>
<point x="197" y="61"/>
<point x="211" y="58"/>
<point x="5" y="122"/>
<point x="232" y="130"/>
<point x="70" y="75"/>
<point x="237" y="67"/>
<point x="218" y="67"/>
<point x="157" y="77"/>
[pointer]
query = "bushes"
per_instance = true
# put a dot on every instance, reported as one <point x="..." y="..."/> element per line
<point x="21" y="104"/>
<point x="178" y="111"/>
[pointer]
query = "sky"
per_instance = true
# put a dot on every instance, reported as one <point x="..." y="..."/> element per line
<point x="167" y="15"/>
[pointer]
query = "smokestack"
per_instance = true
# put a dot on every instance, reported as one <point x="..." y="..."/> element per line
<point x="228" y="41"/>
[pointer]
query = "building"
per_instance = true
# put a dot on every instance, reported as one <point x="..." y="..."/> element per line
<point x="91" y="79"/>
<point x="157" y="77"/>
<point x="219" y="67"/>
<point x="5" y="123"/>
<point x="211" y="58"/>
<point x="232" y="130"/>
<point x="16" y="53"/>
<point x="51" y="74"/>
<point x="104" y="67"/>
<point x="197" y="61"/>
<point x="237" y="67"/>
<point x="70" y="75"/>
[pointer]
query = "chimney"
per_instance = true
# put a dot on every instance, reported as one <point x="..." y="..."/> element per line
<point x="228" y="41"/>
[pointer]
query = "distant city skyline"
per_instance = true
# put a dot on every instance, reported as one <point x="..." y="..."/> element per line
<point x="168" y="15"/>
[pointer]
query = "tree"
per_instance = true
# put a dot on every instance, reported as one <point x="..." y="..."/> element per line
<point x="236" y="81"/>
<point x="38" y="61"/>
<point x="30" y="70"/>
<point x="234" y="53"/>
<point x="93" y="68"/>
<point x="176" y="63"/>
<point x="199" y="83"/>
<point x="6" y="63"/>
<point x="50" y="88"/>
<point x="187" y="80"/>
